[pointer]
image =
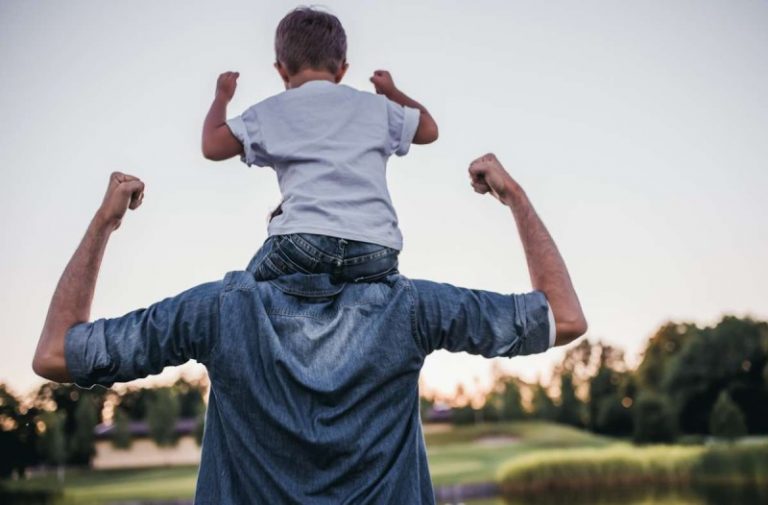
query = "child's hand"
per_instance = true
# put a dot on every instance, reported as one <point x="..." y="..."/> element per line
<point x="226" y="85"/>
<point x="383" y="82"/>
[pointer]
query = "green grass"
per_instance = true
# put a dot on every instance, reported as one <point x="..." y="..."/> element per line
<point x="456" y="457"/>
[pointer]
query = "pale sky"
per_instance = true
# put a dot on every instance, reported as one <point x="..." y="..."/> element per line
<point x="638" y="129"/>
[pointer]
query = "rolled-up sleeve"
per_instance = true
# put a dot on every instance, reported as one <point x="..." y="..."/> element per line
<point x="481" y="322"/>
<point x="403" y="123"/>
<point x="247" y="129"/>
<point x="143" y="342"/>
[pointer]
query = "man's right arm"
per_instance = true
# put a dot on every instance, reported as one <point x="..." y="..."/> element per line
<point x="545" y="265"/>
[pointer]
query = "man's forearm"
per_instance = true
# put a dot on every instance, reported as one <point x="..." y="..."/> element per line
<point x="546" y="267"/>
<point x="71" y="302"/>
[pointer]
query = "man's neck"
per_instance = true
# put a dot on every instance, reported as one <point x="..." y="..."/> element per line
<point x="309" y="74"/>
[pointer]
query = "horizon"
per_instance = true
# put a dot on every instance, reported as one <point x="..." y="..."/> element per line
<point x="636" y="130"/>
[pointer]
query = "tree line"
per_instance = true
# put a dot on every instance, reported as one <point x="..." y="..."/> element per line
<point x="56" y="426"/>
<point x="692" y="382"/>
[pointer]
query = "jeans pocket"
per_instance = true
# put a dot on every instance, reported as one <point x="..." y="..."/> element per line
<point x="294" y="257"/>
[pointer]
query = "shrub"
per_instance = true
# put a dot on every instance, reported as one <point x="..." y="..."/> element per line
<point x="727" y="420"/>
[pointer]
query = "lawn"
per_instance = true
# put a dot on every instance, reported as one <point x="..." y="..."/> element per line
<point x="458" y="455"/>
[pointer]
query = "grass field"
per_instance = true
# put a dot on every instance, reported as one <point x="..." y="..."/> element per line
<point x="459" y="455"/>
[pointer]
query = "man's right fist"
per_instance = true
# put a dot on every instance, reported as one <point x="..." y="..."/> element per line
<point x="123" y="192"/>
<point x="226" y="85"/>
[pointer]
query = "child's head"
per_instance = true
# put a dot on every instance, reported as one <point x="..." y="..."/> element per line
<point x="310" y="39"/>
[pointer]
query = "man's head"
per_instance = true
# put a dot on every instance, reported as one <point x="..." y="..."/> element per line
<point x="309" y="39"/>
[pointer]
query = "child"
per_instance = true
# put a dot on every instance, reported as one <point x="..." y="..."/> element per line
<point x="329" y="144"/>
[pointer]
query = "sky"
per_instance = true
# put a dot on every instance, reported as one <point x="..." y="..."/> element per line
<point x="638" y="130"/>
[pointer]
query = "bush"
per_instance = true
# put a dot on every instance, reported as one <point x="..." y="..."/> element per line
<point x="618" y="465"/>
<point x="624" y="465"/>
<point x="654" y="421"/>
<point x="727" y="420"/>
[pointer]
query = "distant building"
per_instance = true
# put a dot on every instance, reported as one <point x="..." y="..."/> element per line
<point x="438" y="413"/>
<point x="143" y="451"/>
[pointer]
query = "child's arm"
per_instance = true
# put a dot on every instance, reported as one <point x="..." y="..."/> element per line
<point x="218" y="141"/>
<point x="426" y="133"/>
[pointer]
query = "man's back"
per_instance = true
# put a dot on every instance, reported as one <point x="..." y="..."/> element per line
<point x="314" y="395"/>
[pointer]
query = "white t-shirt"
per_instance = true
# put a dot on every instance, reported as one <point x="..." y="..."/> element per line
<point x="329" y="144"/>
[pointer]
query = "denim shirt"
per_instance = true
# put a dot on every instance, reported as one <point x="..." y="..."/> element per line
<point x="314" y="385"/>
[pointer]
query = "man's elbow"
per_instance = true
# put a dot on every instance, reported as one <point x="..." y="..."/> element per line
<point x="41" y="366"/>
<point x="570" y="330"/>
<point x="50" y="366"/>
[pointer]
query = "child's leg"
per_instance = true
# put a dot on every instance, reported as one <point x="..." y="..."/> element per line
<point x="346" y="260"/>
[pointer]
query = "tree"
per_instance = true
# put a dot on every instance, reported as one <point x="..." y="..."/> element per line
<point x="82" y="444"/>
<point x="53" y="444"/>
<point x="510" y="404"/>
<point x="162" y="414"/>
<point x="543" y="405"/>
<point x="614" y="417"/>
<point x="662" y="350"/>
<point x="18" y="435"/>
<point x="726" y="420"/>
<point x="67" y="398"/>
<point x="570" y="408"/>
<point x="604" y="386"/>
<point x="190" y="395"/>
<point x="654" y="420"/>
<point x="122" y="438"/>
<point x="729" y="356"/>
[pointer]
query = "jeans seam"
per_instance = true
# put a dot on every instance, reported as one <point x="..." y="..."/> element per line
<point x="310" y="249"/>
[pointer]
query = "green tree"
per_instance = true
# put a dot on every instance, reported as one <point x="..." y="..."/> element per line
<point x="511" y="407"/>
<point x="162" y="414"/>
<point x="122" y="438"/>
<point x="726" y="420"/>
<point x="82" y="443"/>
<point x="604" y="386"/>
<point x="570" y="409"/>
<point x="729" y="356"/>
<point x="614" y="417"/>
<point x="53" y="444"/>
<point x="66" y="398"/>
<point x="662" y="350"/>
<point x="654" y="420"/>
<point x="191" y="397"/>
<point x="543" y="406"/>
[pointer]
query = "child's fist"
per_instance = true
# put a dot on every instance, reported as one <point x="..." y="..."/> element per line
<point x="226" y="85"/>
<point x="383" y="82"/>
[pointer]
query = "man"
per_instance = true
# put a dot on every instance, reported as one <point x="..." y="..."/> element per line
<point x="314" y="383"/>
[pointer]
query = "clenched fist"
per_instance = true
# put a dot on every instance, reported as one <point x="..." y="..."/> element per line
<point x="124" y="192"/>
<point x="487" y="175"/>
<point x="383" y="82"/>
<point x="226" y="85"/>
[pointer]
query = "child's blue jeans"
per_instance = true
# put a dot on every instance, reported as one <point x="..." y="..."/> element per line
<point x="345" y="260"/>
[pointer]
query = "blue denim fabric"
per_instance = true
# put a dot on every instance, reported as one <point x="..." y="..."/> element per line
<point x="314" y="383"/>
<point x="344" y="260"/>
